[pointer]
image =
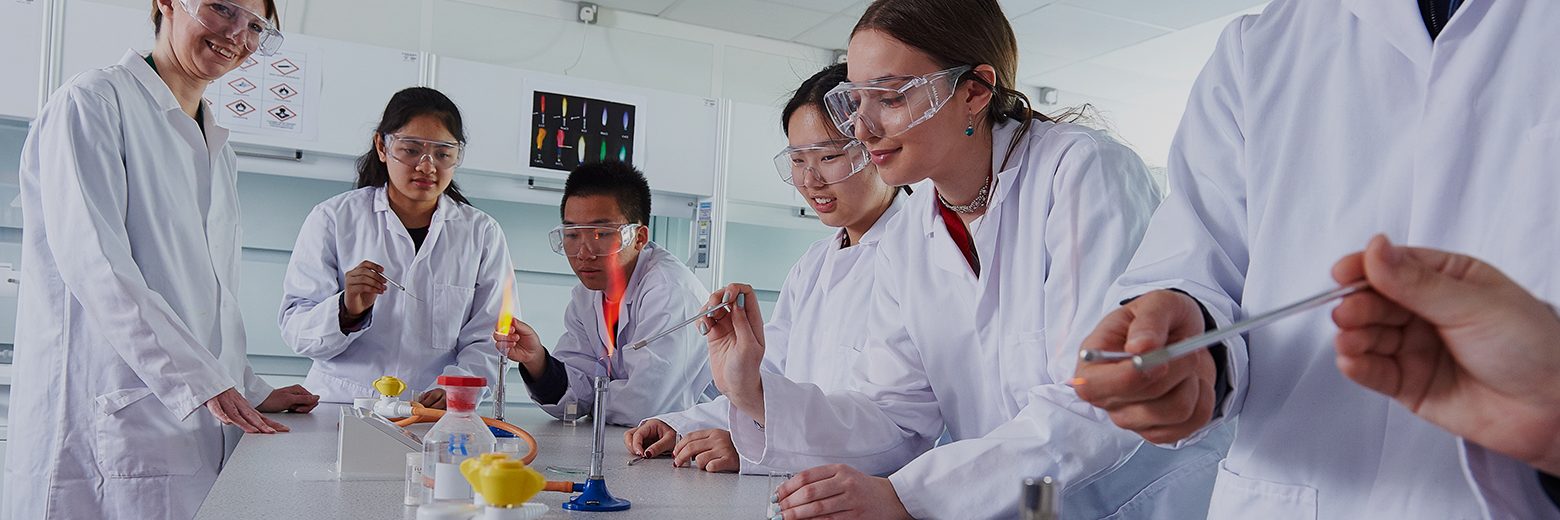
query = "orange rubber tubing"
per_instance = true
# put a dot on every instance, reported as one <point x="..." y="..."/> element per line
<point x="422" y="414"/>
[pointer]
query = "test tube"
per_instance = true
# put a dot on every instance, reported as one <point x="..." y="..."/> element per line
<point x="1039" y="499"/>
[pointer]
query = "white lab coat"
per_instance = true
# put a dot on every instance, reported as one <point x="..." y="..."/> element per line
<point x="128" y="317"/>
<point x="814" y="333"/>
<point x="988" y="357"/>
<point x="669" y="374"/>
<point x="1314" y="126"/>
<point x="459" y="272"/>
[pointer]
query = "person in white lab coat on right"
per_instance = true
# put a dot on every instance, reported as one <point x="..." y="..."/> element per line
<point x="1314" y="126"/>
<point x="983" y="282"/>
<point x="130" y="348"/>
<point x="815" y="325"/>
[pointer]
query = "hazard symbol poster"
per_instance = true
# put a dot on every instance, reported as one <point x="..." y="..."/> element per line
<point x="273" y="95"/>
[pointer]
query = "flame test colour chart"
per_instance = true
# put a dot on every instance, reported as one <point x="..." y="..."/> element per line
<point x="567" y="131"/>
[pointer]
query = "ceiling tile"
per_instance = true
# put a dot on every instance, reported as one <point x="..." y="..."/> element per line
<point x="1179" y="55"/>
<point x="1069" y="32"/>
<point x="650" y="7"/>
<point x="778" y="21"/>
<point x="1177" y="14"/>
<point x="834" y="33"/>
<point x="826" y="6"/>
<point x="1017" y="8"/>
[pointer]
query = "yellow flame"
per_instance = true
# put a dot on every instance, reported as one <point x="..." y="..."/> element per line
<point x="506" y="310"/>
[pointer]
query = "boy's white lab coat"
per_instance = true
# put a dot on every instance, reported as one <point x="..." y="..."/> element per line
<point x="669" y="374"/>
<point x="1314" y="126"/>
<point x="815" y="331"/>
<point x="988" y="357"/>
<point x="459" y="272"/>
<point x="128" y="317"/>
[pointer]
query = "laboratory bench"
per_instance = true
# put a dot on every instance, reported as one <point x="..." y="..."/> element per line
<point x="277" y="476"/>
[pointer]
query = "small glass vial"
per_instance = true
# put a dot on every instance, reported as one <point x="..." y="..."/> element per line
<point x="414" y="479"/>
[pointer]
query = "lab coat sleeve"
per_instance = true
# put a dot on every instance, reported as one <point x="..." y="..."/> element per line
<point x="256" y="390"/>
<point x="1506" y="487"/>
<point x="476" y="353"/>
<point x="1196" y="241"/>
<point x="658" y="374"/>
<point x="84" y="199"/>
<point x="312" y="291"/>
<point x="1102" y="200"/>
<point x="702" y="416"/>
<point x="892" y="418"/>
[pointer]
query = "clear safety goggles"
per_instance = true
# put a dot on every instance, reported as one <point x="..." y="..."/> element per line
<point x="247" y="27"/>
<point x="888" y="107"/>
<point x="412" y="151"/>
<point x="827" y="162"/>
<point x="594" y="239"/>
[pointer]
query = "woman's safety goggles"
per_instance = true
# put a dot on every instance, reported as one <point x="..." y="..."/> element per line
<point x="889" y="107"/>
<point x="412" y="151"/>
<point x="227" y="19"/>
<point x="827" y="162"/>
<point x="593" y="239"/>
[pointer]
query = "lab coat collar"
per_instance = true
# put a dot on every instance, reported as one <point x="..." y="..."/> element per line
<point x="216" y="136"/>
<point x="1399" y="22"/>
<point x="441" y="212"/>
<point x="1001" y="135"/>
<point x="875" y="232"/>
<point x="135" y="62"/>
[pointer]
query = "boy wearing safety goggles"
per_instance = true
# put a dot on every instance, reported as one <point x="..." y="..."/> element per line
<point x="629" y="289"/>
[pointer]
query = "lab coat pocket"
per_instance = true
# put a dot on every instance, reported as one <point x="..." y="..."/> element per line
<point x="138" y="437"/>
<point x="1235" y="496"/>
<point x="451" y="306"/>
<point x="1023" y="364"/>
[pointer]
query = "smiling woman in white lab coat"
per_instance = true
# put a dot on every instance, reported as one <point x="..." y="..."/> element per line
<point x="406" y="223"/>
<point x="983" y="282"/>
<point x="815" y="328"/>
<point x="128" y="321"/>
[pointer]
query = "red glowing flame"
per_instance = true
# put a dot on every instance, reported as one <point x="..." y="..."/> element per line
<point x="612" y="304"/>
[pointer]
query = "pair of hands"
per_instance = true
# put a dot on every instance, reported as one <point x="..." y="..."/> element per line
<point x="832" y="491"/>
<point x="1447" y="336"/>
<point x="231" y="407"/>
<point x="709" y="450"/>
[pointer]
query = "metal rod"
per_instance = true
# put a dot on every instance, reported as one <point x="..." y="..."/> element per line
<point x="498" y="392"/>
<point x="1155" y="358"/>
<point x="403" y="288"/>
<point x="674" y="328"/>
<point x="294" y="155"/>
<point x="598" y="448"/>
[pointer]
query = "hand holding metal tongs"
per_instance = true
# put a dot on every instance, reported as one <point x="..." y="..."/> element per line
<point x="674" y="328"/>
<point x="1151" y="359"/>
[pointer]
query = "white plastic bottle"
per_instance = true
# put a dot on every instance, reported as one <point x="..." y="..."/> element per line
<point x="457" y="436"/>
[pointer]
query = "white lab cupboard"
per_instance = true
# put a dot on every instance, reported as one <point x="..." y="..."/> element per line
<point x="750" y="172"/>
<point x="21" y="52"/>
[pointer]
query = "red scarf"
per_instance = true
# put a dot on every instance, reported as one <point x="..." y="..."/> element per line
<point x="960" y="235"/>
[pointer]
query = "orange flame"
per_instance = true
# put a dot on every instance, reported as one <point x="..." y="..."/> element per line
<point x="617" y="283"/>
<point x="506" y="310"/>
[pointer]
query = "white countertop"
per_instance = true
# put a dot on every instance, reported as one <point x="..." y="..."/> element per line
<point x="258" y="481"/>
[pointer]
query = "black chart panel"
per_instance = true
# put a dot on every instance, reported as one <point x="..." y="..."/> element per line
<point x="568" y="131"/>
